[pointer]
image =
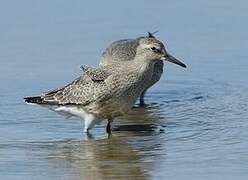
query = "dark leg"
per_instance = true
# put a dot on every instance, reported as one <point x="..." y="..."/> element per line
<point x="108" y="128"/>
<point x="142" y="102"/>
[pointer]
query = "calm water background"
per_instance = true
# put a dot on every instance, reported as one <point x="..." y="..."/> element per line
<point x="195" y="126"/>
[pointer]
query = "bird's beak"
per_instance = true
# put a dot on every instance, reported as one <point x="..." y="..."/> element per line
<point x="172" y="59"/>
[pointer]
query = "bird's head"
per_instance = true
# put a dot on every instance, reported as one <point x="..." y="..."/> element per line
<point x="152" y="49"/>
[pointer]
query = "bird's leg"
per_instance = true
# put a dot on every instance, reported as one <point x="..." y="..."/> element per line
<point x="142" y="102"/>
<point x="108" y="128"/>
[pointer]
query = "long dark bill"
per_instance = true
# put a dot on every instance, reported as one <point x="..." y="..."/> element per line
<point x="172" y="59"/>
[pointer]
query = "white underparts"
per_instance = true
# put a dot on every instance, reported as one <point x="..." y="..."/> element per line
<point x="68" y="111"/>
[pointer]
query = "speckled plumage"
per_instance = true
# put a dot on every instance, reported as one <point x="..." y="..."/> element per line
<point x="96" y="74"/>
<point x="108" y="91"/>
<point x="125" y="50"/>
<point x="107" y="98"/>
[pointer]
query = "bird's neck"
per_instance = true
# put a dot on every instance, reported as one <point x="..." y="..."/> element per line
<point x="144" y="68"/>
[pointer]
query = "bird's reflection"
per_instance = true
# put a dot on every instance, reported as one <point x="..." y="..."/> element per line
<point x="124" y="155"/>
<point x="111" y="158"/>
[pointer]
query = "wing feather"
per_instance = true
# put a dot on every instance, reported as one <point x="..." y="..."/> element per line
<point x="96" y="74"/>
<point x="84" y="91"/>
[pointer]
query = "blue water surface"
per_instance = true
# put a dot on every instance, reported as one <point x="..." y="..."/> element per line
<point x="195" y="124"/>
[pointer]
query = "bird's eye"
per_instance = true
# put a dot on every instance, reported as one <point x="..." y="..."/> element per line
<point x="153" y="48"/>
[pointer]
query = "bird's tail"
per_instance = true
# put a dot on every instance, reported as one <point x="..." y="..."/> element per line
<point x="34" y="100"/>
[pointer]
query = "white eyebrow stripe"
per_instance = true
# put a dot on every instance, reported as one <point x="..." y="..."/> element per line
<point x="143" y="46"/>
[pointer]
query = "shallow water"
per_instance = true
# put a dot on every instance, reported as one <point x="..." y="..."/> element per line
<point x="194" y="126"/>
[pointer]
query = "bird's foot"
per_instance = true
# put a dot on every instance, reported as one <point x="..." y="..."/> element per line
<point x="142" y="103"/>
